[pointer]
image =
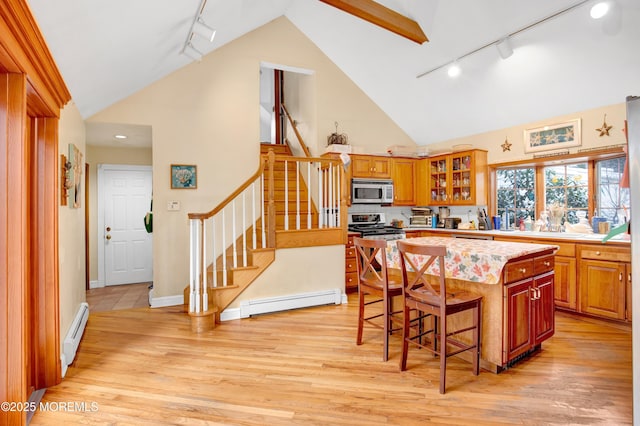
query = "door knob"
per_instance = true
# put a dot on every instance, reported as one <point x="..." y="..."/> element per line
<point x="108" y="237"/>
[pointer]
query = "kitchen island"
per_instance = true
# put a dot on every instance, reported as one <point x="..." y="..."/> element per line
<point x="516" y="281"/>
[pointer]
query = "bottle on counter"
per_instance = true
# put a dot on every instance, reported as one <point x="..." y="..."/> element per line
<point x="528" y="224"/>
<point x="521" y="225"/>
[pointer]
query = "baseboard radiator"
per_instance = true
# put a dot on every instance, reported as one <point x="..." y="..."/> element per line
<point x="72" y="340"/>
<point x="294" y="301"/>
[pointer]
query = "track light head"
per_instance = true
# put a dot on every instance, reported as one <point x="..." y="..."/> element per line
<point x="192" y="52"/>
<point x="203" y="30"/>
<point x="504" y="48"/>
<point x="454" y="70"/>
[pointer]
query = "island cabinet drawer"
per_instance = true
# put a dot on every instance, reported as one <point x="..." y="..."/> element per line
<point x="543" y="264"/>
<point x="516" y="271"/>
<point x="350" y="265"/>
<point x="351" y="280"/>
<point x="614" y="254"/>
<point x="350" y="252"/>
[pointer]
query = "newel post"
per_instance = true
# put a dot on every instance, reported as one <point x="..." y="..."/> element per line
<point x="271" y="204"/>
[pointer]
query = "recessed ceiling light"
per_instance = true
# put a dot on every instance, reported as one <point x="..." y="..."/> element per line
<point x="120" y="136"/>
<point x="599" y="10"/>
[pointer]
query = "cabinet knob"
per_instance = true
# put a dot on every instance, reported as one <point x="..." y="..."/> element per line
<point x="522" y="270"/>
<point x="597" y="253"/>
<point x="629" y="279"/>
<point x="547" y="263"/>
<point x="620" y="277"/>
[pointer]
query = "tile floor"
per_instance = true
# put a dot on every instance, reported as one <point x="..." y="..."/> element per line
<point x="117" y="297"/>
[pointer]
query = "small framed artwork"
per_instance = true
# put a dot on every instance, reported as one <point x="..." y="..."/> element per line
<point x="556" y="136"/>
<point x="184" y="176"/>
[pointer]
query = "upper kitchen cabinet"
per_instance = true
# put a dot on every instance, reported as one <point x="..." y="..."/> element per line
<point x="458" y="179"/>
<point x="370" y="166"/>
<point x="404" y="181"/>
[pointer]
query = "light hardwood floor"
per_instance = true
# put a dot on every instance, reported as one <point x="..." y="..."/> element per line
<point x="145" y="367"/>
<point x="118" y="297"/>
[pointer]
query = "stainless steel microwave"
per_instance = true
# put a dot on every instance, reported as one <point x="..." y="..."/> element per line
<point x="371" y="191"/>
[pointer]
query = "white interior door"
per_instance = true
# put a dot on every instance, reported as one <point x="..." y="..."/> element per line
<point x="128" y="247"/>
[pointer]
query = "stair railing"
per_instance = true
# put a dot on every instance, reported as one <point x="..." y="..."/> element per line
<point x="221" y="240"/>
<point x="294" y="126"/>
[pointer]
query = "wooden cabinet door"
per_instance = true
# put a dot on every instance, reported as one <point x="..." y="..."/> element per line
<point x="438" y="176"/>
<point x="565" y="293"/>
<point x="519" y="338"/>
<point x="370" y="166"/>
<point x="404" y="177"/>
<point x="543" y="307"/>
<point x="603" y="288"/>
<point x="628" y="292"/>
<point x="360" y="167"/>
<point x="380" y="167"/>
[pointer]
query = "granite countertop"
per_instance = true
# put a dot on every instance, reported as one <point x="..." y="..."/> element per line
<point x="580" y="237"/>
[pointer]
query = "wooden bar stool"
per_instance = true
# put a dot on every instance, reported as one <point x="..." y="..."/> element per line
<point x="373" y="280"/>
<point x="419" y="294"/>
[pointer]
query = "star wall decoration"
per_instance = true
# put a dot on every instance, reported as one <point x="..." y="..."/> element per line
<point x="506" y="146"/>
<point x="604" y="130"/>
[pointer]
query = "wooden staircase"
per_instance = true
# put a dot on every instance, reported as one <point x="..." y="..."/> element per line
<point x="289" y="179"/>
<point x="240" y="276"/>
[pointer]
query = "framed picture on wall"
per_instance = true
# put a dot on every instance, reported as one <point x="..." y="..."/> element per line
<point x="555" y="136"/>
<point x="184" y="176"/>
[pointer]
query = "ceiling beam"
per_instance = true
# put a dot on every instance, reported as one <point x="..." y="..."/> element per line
<point x="381" y="16"/>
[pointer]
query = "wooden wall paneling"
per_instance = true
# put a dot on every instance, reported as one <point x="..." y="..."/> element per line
<point x="13" y="244"/>
<point x="47" y="142"/>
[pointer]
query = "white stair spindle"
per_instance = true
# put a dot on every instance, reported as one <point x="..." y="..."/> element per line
<point x="297" y="195"/>
<point x="286" y="195"/>
<point x="213" y="245"/>
<point x="224" y="250"/>
<point x="253" y="214"/>
<point x="308" y="195"/>
<point x="193" y="265"/>
<point x="320" y="200"/>
<point x="233" y="233"/>
<point x="205" y="297"/>
<point x="264" y="237"/>
<point x="244" y="230"/>
<point x="332" y="221"/>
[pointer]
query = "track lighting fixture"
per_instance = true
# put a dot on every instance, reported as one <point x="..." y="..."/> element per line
<point x="503" y="44"/>
<point x="454" y="70"/>
<point x="599" y="10"/>
<point x="192" y="52"/>
<point x="203" y="30"/>
<point x="504" y="48"/>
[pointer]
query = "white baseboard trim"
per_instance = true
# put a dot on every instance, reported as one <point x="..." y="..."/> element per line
<point x="162" y="302"/>
<point x="96" y="284"/>
<point x="73" y="337"/>
<point x="293" y="301"/>
<point x="263" y="306"/>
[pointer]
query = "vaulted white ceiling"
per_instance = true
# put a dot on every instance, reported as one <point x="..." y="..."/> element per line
<point x="108" y="50"/>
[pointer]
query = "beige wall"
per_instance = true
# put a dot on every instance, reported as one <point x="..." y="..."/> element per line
<point x="106" y="155"/>
<point x="591" y="120"/>
<point x="208" y="114"/>
<point x="71" y="228"/>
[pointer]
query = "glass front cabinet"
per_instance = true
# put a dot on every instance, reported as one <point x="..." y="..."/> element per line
<point x="458" y="178"/>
